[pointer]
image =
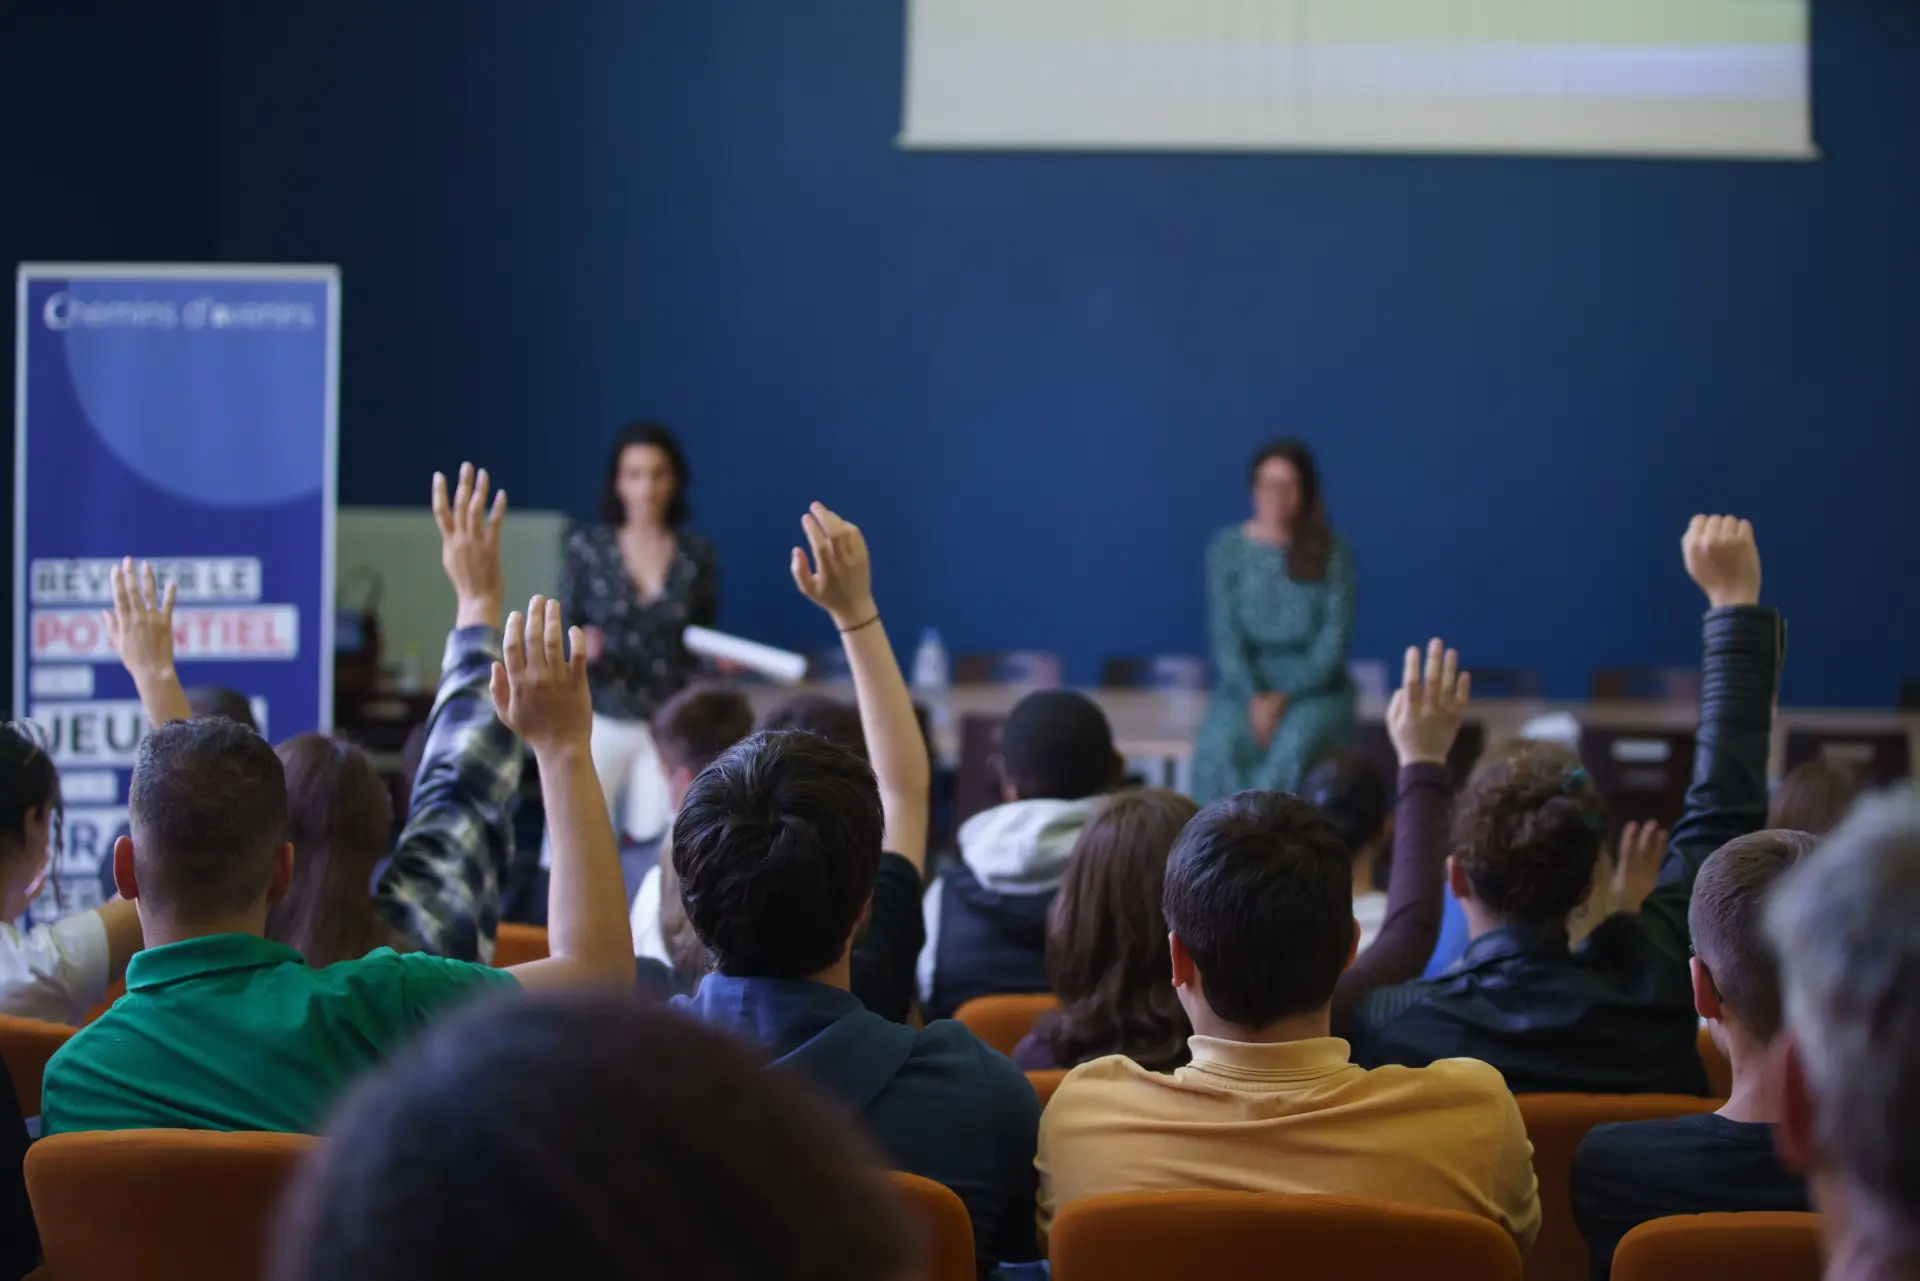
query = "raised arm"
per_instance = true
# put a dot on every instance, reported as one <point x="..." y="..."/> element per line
<point x="1739" y="676"/>
<point x="1233" y="670"/>
<point x="1423" y="719"/>
<point x="1325" y="662"/>
<point x="540" y="691"/>
<point x="441" y="887"/>
<point x="839" y="579"/>
<point x="140" y="629"/>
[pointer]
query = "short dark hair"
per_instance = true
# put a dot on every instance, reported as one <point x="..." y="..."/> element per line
<point x="206" y="809"/>
<point x="1528" y="830"/>
<point x="833" y="719"/>
<point x="645" y="432"/>
<point x="778" y="846"/>
<point x="1057" y="745"/>
<point x="693" y="727"/>
<point x="588" y="1136"/>
<point x="1260" y="892"/>
<point x="1813" y="797"/>
<point x="218" y="700"/>
<point x="1727" y="918"/>
<point x="1352" y="792"/>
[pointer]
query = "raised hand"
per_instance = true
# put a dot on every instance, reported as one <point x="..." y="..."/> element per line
<point x="539" y="690"/>
<point x="140" y="625"/>
<point x="840" y="577"/>
<point x="470" y="544"/>
<point x="1636" y="866"/>
<point x="1723" y="559"/>
<point x="1424" y="714"/>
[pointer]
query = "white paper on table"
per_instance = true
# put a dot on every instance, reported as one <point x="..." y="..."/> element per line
<point x="782" y="665"/>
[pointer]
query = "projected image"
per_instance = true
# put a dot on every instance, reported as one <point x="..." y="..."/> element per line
<point x="1632" y="77"/>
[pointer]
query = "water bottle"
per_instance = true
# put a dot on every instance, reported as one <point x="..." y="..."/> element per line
<point x="930" y="671"/>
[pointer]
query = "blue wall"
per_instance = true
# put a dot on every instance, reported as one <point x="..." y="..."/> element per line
<point x="1035" y="379"/>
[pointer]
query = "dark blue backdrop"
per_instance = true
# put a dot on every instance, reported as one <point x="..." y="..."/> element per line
<point x="1035" y="379"/>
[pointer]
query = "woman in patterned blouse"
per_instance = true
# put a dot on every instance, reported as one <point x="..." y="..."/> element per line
<point x="1280" y="597"/>
<point x="634" y="582"/>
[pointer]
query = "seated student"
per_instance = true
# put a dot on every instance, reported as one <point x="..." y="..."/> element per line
<point x="1625" y="1174"/>
<point x="56" y="972"/>
<point x="1350" y="791"/>
<point x="218" y="700"/>
<point x="589" y="1138"/>
<point x="1259" y="902"/>
<point x="778" y="848"/>
<point x="19" y="1235"/>
<point x="436" y="889"/>
<point x="1846" y="1075"/>
<point x="1616" y="1014"/>
<point x="222" y="1028"/>
<point x="1813" y="797"/>
<point x="986" y="915"/>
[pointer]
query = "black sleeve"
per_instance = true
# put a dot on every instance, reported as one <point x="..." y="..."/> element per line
<point x="885" y="954"/>
<point x="19" y="1239"/>
<point x="703" y="597"/>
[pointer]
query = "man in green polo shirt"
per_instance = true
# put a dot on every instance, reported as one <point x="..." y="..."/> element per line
<point x="223" y="1030"/>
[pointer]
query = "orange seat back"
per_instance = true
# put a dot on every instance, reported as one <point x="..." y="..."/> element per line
<point x="160" y="1205"/>
<point x="517" y="944"/>
<point x="1770" y="1246"/>
<point x="26" y="1045"/>
<point x="1556" y="1123"/>
<point x="946" y="1230"/>
<point x="1045" y="1081"/>
<point x="1155" y="1236"/>
<point x="1001" y="1021"/>
<point x="1719" y="1069"/>
<point x="115" y="990"/>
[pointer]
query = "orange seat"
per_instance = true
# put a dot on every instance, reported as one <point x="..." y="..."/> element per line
<point x="115" y="990"/>
<point x="517" y="944"/>
<point x="1152" y="1236"/>
<point x="26" y="1045"/>
<point x="160" y="1205"/>
<point x="1556" y="1123"/>
<point x="1756" y="1246"/>
<point x="1001" y="1021"/>
<point x="946" y="1230"/>
<point x="1045" y="1081"/>
<point x="1719" y="1069"/>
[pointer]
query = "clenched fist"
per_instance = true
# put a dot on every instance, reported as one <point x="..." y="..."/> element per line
<point x="1723" y="559"/>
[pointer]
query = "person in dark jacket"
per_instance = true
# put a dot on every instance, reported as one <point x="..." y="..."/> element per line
<point x="986" y="916"/>
<point x="1615" y="1015"/>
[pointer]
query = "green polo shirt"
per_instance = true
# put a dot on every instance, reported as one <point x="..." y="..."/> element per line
<point x="234" y="1032"/>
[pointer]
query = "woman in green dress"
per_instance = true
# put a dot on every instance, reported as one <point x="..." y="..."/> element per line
<point x="1280" y="598"/>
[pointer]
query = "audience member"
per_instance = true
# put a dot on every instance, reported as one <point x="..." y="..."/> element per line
<point x="1846" y="1075"/>
<point x="986" y="914"/>
<point x="218" y="700"/>
<point x="55" y="972"/>
<point x="1259" y="896"/>
<point x="1625" y="1174"/>
<point x="222" y="1028"/>
<point x="778" y="847"/>
<point x="1813" y="797"/>
<point x="1107" y="954"/>
<point x="830" y="718"/>
<point x="1616" y="1015"/>
<point x="19" y="1235"/>
<point x="585" y="1138"/>
<point x="1349" y="789"/>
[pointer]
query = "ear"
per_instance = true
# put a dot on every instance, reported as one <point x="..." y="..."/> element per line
<point x="1353" y="946"/>
<point x="1706" y="998"/>
<point x="1457" y="882"/>
<point x="1183" y="971"/>
<point x="679" y="779"/>
<point x="1119" y="774"/>
<point x="123" y="878"/>
<point x="1793" y="1132"/>
<point x="282" y="873"/>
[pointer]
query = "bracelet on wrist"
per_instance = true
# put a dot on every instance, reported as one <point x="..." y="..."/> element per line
<point x="860" y="627"/>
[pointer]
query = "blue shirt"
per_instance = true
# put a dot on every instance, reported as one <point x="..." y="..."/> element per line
<point x="939" y="1103"/>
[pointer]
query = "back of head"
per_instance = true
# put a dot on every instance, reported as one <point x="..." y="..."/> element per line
<point x="588" y="1137"/>
<point x="1726" y="919"/>
<point x="777" y="847"/>
<point x="1260" y="892"/>
<point x="1813" y="797"/>
<point x="340" y="820"/>
<point x="29" y="787"/>
<point x="1107" y="955"/>
<point x="1352" y="792"/>
<point x="693" y="727"/>
<point x="1057" y="744"/>
<point x="206" y="809"/>
<point x="218" y="700"/>
<point x="1843" y="922"/>
<point x="1528" y="829"/>
<point x="833" y="719"/>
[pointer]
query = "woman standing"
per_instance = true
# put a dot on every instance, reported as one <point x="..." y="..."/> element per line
<point x="1280" y="599"/>
<point x="634" y="582"/>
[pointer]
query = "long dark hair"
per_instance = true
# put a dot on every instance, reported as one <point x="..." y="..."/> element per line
<point x="340" y="820"/>
<point x="1107" y="953"/>
<point x="1310" y="540"/>
<point x="28" y="782"/>
<point x="645" y="432"/>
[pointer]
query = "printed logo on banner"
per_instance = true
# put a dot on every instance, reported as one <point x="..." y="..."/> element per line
<point x="214" y="631"/>
<point x="97" y="734"/>
<point x="61" y="682"/>
<point x="195" y="579"/>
